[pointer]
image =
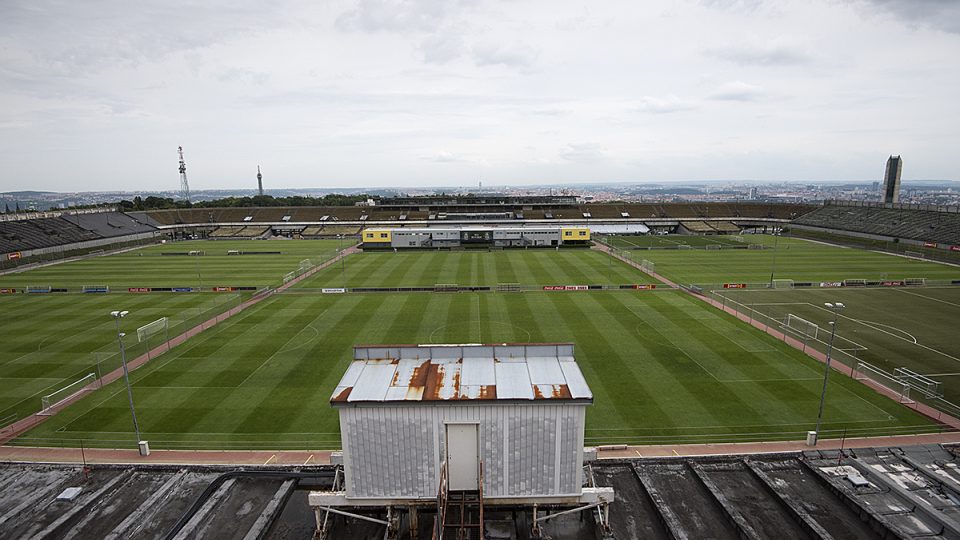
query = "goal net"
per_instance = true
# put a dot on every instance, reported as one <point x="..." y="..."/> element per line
<point x="914" y="254"/>
<point x="147" y="330"/>
<point x="783" y="284"/>
<point x="712" y="246"/>
<point x="51" y="400"/>
<point x="925" y="385"/>
<point x="915" y="281"/>
<point x="508" y="287"/>
<point x="854" y="283"/>
<point x="306" y="264"/>
<point x="648" y="266"/>
<point x="801" y="327"/>
<point x="289" y="276"/>
<point x="878" y="376"/>
<point x="38" y="289"/>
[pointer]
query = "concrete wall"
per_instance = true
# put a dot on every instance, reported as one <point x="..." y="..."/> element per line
<point x="528" y="449"/>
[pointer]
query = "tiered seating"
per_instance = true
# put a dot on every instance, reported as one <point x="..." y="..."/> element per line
<point x="698" y="227"/>
<point x="252" y="231"/>
<point x="922" y="225"/>
<point x="311" y="230"/>
<point x="724" y="227"/>
<point x="226" y="232"/>
<point x="333" y="230"/>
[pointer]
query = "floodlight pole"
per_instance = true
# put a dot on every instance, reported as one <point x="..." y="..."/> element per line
<point x="117" y="315"/>
<point x="773" y="265"/>
<point x="199" y="278"/>
<point x="836" y="307"/>
<point x="343" y="268"/>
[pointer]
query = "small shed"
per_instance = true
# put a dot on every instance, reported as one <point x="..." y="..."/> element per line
<point x="517" y="408"/>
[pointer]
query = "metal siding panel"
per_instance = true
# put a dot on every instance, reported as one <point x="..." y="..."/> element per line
<point x="513" y="381"/>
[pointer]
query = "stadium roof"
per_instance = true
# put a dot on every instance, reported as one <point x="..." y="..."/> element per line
<point x="463" y="372"/>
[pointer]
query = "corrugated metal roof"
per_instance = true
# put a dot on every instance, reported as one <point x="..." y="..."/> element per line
<point x="507" y="371"/>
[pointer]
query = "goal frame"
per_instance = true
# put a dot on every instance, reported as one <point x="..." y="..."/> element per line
<point x="46" y="403"/>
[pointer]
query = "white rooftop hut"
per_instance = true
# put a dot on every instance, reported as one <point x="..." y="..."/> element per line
<point x="518" y="409"/>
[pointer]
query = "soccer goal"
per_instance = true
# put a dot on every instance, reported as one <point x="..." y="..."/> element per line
<point x="648" y="266"/>
<point x="914" y="254"/>
<point x="854" y="283"/>
<point x="306" y="264"/>
<point x="149" y="329"/>
<point x="783" y="284"/>
<point x="801" y="327"/>
<point x="289" y="276"/>
<point x="508" y="287"/>
<point x="925" y="385"/>
<point x="31" y="289"/>
<point x="446" y="287"/>
<point x="51" y="400"/>
<point x="915" y="281"/>
<point x="713" y="246"/>
<point x="880" y="377"/>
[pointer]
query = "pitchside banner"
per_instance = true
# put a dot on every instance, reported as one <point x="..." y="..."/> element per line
<point x="333" y="290"/>
<point x="138" y="289"/>
<point x="566" y="287"/>
<point x="14" y="255"/>
<point x="895" y="283"/>
<point x="734" y="285"/>
<point x="954" y="248"/>
<point x="8" y="291"/>
<point x="831" y="284"/>
<point x="930" y="244"/>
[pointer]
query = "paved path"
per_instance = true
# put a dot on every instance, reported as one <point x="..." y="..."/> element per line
<point x="21" y="426"/>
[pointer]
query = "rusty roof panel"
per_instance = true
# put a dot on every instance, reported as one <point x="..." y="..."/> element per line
<point x="404" y="373"/>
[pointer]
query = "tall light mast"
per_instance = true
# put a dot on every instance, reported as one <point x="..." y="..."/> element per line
<point x="184" y="186"/>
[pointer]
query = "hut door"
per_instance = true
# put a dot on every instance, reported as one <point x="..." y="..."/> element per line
<point x="463" y="457"/>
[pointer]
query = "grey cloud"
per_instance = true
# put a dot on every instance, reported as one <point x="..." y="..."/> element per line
<point x="442" y="48"/>
<point x="582" y="152"/>
<point x="939" y="14"/>
<point x="516" y="55"/>
<point x="446" y="157"/>
<point x="737" y="91"/>
<point x="732" y="5"/>
<point x="765" y="54"/>
<point x="396" y="16"/>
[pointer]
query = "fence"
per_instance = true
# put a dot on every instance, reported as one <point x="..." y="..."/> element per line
<point x="107" y="358"/>
<point x="891" y="384"/>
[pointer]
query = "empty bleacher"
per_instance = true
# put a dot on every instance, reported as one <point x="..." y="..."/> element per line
<point x="925" y="225"/>
<point x="29" y="234"/>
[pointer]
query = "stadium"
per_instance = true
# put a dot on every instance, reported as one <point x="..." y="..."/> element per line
<point x="618" y="348"/>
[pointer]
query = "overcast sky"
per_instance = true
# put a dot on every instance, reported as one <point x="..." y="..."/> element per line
<point x="98" y="95"/>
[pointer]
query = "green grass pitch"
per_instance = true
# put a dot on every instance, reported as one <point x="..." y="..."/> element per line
<point x="148" y="267"/>
<point x="664" y="367"/>
<point x="792" y="258"/>
<point x="533" y="267"/>
<point x="889" y="328"/>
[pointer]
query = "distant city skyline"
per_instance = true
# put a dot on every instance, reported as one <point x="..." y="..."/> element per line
<point x="386" y="93"/>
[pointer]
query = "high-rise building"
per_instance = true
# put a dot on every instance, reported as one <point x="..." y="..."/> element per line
<point x="891" y="180"/>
